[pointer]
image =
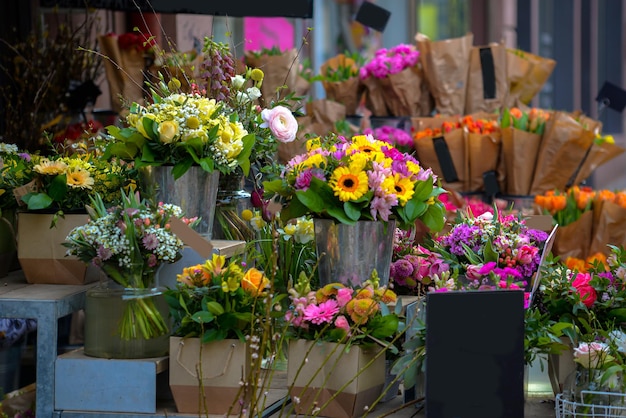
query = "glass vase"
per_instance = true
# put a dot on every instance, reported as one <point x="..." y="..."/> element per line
<point x="107" y="307"/>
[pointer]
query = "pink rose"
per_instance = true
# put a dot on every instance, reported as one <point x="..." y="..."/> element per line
<point x="587" y="293"/>
<point x="281" y="122"/>
<point x="526" y="254"/>
<point x="472" y="272"/>
<point x="342" y="323"/>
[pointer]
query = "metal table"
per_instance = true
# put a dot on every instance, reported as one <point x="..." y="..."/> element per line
<point x="45" y="303"/>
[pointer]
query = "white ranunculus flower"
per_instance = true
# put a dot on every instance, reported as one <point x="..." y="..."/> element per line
<point x="237" y="81"/>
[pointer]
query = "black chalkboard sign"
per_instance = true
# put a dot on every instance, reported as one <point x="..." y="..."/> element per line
<point x="475" y="354"/>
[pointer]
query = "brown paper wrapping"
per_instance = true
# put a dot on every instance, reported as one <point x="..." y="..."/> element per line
<point x="518" y="69"/>
<point x="609" y="228"/>
<point x="446" y="65"/>
<point x="540" y="70"/>
<point x="223" y="365"/>
<point x="474" y="99"/>
<point x="19" y="401"/>
<point x="346" y="92"/>
<point x="574" y="240"/>
<point x="134" y="64"/>
<point x="325" y="368"/>
<point x="375" y="97"/>
<point x="562" y="151"/>
<point x="519" y="151"/>
<point x="457" y="146"/>
<point x="483" y="153"/>
<point x="279" y="70"/>
<point x="598" y="155"/>
<point x="402" y="92"/>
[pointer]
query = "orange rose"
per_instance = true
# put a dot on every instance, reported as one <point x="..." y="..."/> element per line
<point x="254" y="281"/>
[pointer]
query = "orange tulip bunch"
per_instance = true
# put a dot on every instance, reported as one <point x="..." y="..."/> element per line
<point x="446" y="127"/>
<point x="479" y="126"/>
<point x="583" y="265"/>
<point x="533" y="121"/>
<point x="566" y="207"/>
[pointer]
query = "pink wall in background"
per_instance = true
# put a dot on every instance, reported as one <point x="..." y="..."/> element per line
<point x="267" y="32"/>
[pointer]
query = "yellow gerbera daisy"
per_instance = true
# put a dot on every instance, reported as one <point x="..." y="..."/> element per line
<point x="404" y="188"/>
<point x="413" y="168"/>
<point x="50" y="168"/>
<point x="349" y="183"/>
<point x="79" y="179"/>
<point x="364" y="144"/>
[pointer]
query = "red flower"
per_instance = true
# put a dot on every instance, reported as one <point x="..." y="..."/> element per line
<point x="587" y="293"/>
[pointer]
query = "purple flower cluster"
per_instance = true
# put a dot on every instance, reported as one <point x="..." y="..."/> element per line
<point x="13" y="329"/>
<point x="463" y="234"/>
<point x="390" y="61"/>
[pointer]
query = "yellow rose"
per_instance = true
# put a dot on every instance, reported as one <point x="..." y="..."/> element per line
<point x="168" y="131"/>
<point x="139" y="124"/>
<point x="254" y="282"/>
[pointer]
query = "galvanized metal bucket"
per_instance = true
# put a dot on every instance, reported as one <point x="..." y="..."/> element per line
<point x="349" y="253"/>
<point x="195" y="192"/>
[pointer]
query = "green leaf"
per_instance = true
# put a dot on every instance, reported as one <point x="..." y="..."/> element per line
<point x="619" y="314"/>
<point x="385" y="326"/>
<point x="312" y="200"/>
<point x="203" y="317"/>
<point x="58" y="188"/>
<point x="340" y="215"/>
<point x="151" y="128"/>
<point x="215" y="308"/>
<point x="352" y="211"/>
<point x="37" y="201"/>
<point x="489" y="253"/>
<point x="293" y="210"/>
<point x="181" y="168"/>
<point x="505" y="121"/>
<point x="434" y="218"/>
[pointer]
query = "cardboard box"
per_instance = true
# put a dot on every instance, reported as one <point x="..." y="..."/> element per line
<point x="41" y="253"/>
<point x="318" y="372"/>
<point x="224" y="364"/>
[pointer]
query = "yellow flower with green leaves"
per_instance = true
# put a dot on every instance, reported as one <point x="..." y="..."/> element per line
<point x="349" y="183"/>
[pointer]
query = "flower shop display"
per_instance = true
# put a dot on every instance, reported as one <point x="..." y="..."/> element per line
<point x="340" y="78"/>
<point x="484" y="143"/>
<point x="343" y="183"/>
<point x="527" y="73"/>
<point x="340" y="335"/>
<point x="602" y="151"/>
<point x="440" y="145"/>
<point x="392" y="82"/>
<point x="215" y="307"/>
<point x="599" y="368"/>
<point x="287" y="249"/>
<point x="589" y="219"/>
<point x="521" y="136"/>
<point x="53" y="197"/>
<point x="125" y="319"/>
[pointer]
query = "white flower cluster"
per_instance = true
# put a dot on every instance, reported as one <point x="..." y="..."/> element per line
<point x="8" y="148"/>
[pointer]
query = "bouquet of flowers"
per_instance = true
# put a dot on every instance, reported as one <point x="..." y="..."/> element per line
<point x="129" y="242"/>
<point x="340" y="77"/>
<point x="355" y="179"/>
<point x="392" y="81"/>
<point x="15" y="171"/>
<point x="491" y="249"/>
<point x="66" y="183"/>
<point x="284" y="249"/>
<point x="182" y="129"/>
<point x="337" y="313"/>
<point x="218" y="300"/>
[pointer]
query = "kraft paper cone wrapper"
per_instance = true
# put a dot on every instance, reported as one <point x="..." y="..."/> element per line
<point x="598" y="155"/>
<point x="519" y="151"/>
<point x="375" y="96"/>
<point x="483" y="155"/>
<point x="115" y="78"/>
<point x="402" y="92"/>
<point x="134" y="65"/>
<point x="346" y="92"/>
<point x="456" y="145"/>
<point x="540" y="70"/>
<point x="562" y="151"/>
<point x="431" y="122"/>
<point x="487" y="84"/>
<point x="574" y="240"/>
<point x="326" y="113"/>
<point x="518" y="69"/>
<point x="446" y="65"/>
<point x="279" y="70"/>
<point x="610" y="228"/>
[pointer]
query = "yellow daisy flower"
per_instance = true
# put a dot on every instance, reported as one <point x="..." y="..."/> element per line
<point x="349" y="183"/>
<point x="404" y="188"/>
<point x="362" y="143"/>
<point x="50" y="168"/>
<point x="79" y="179"/>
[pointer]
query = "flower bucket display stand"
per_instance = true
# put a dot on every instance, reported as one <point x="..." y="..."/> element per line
<point x="566" y="408"/>
<point x="84" y="383"/>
